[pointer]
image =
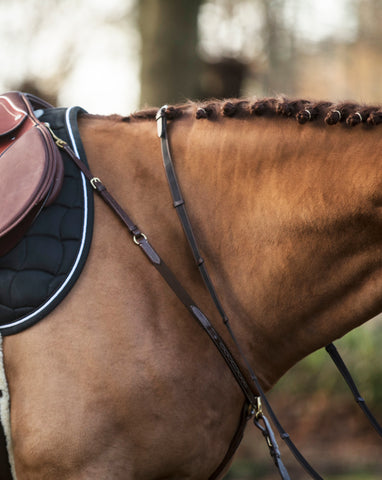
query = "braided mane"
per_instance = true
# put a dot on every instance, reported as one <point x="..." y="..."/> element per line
<point x="303" y="111"/>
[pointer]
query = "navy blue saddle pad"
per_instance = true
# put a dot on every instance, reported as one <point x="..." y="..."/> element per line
<point x="39" y="272"/>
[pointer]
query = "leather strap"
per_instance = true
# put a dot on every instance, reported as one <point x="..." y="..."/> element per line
<point x="341" y="366"/>
<point x="180" y="206"/>
<point x="271" y="441"/>
<point x="246" y="414"/>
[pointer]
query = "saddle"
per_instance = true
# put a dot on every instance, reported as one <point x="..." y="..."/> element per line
<point x="31" y="168"/>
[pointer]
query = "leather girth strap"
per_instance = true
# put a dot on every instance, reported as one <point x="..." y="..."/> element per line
<point x="246" y="414"/>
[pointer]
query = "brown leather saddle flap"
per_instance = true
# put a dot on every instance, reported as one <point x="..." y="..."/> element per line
<point x="31" y="169"/>
<point x="11" y="117"/>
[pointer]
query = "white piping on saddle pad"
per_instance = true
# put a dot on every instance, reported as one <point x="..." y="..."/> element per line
<point x="5" y="412"/>
<point x="83" y="238"/>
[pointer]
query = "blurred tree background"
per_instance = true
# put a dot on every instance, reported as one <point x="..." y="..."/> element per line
<point x="120" y="55"/>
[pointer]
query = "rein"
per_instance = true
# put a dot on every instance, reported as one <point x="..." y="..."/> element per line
<point x="254" y="401"/>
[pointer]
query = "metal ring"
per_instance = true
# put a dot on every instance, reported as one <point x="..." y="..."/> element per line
<point x="139" y="236"/>
<point x="309" y="114"/>
<point x="359" y="115"/>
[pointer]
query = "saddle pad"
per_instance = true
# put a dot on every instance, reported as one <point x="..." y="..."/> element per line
<point x="39" y="272"/>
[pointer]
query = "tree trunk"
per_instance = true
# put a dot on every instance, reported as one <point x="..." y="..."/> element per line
<point x="170" y="64"/>
<point x="280" y="49"/>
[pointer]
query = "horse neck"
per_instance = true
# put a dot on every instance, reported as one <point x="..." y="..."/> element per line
<point x="286" y="216"/>
<point x="290" y="221"/>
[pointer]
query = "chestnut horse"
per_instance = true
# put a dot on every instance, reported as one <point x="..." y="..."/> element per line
<point x="119" y="382"/>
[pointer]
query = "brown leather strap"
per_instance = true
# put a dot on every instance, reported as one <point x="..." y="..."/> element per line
<point x="342" y="368"/>
<point x="246" y="414"/>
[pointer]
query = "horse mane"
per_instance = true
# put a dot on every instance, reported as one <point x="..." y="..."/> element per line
<point x="303" y="111"/>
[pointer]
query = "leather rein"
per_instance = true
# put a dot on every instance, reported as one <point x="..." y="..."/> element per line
<point x="253" y="392"/>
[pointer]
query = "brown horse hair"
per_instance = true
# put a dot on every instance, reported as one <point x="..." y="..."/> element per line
<point x="361" y="116"/>
<point x="231" y="109"/>
<point x="291" y="108"/>
<point x="312" y="111"/>
<point x="266" y="106"/>
<point x="304" y="111"/>
<point x="171" y="112"/>
<point x="375" y="118"/>
<point x="206" y="111"/>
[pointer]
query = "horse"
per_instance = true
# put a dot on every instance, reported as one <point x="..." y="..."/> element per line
<point x="285" y="196"/>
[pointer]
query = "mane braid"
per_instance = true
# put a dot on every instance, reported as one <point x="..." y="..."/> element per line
<point x="302" y="110"/>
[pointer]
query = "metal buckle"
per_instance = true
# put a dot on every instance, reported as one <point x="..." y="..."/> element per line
<point x="94" y="181"/>
<point x="58" y="141"/>
<point x="161" y="121"/>
<point x="258" y="408"/>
